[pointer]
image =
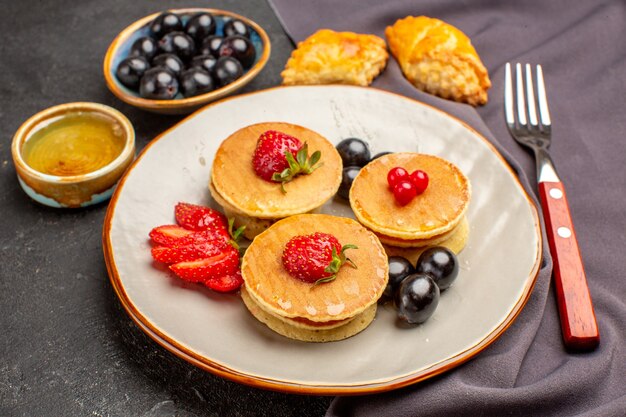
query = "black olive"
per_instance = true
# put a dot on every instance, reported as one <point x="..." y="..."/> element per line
<point x="131" y="69"/>
<point x="165" y="23"/>
<point x="417" y="298"/>
<point x="353" y="151"/>
<point x="196" y="81"/>
<point x="158" y="83"/>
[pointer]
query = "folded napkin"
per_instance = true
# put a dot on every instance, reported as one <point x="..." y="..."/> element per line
<point x="527" y="371"/>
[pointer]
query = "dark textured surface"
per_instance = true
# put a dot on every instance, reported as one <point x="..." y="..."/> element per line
<point x="67" y="348"/>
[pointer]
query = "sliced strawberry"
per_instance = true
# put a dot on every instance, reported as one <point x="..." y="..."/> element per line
<point x="225" y="283"/>
<point x="175" y="254"/>
<point x="204" y="236"/>
<point x="200" y="270"/>
<point x="194" y="217"/>
<point x="175" y="236"/>
<point x="169" y="234"/>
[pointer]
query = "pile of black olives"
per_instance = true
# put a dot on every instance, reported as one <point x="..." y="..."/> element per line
<point x="416" y="290"/>
<point x="187" y="57"/>
<point x="355" y="154"/>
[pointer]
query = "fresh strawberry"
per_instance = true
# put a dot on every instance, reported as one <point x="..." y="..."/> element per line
<point x="194" y="217"/>
<point x="225" y="283"/>
<point x="175" y="236"/>
<point x="204" y="236"/>
<point x="169" y="234"/>
<point x="315" y="258"/>
<point x="224" y="263"/>
<point x="269" y="155"/>
<point x="175" y="254"/>
<point x="279" y="157"/>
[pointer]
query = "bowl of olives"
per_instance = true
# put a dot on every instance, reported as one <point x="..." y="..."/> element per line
<point x="176" y="61"/>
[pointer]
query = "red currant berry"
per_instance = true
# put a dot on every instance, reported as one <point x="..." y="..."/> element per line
<point x="420" y="179"/>
<point x="404" y="192"/>
<point x="396" y="175"/>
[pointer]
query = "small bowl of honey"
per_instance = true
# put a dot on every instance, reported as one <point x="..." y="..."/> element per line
<point x="72" y="155"/>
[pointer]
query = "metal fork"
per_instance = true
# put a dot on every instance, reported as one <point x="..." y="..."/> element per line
<point x="578" y="321"/>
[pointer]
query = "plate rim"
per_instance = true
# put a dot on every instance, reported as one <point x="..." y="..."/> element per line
<point x="290" y="386"/>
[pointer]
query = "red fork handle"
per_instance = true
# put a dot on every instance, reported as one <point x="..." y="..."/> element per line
<point x="578" y="320"/>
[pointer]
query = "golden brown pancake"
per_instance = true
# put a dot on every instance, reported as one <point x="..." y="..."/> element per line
<point x="351" y="293"/>
<point x="419" y="243"/>
<point x="437" y="210"/>
<point x="352" y="327"/>
<point x="253" y="226"/>
<point x="455" y="242"/>
<point x="233" y="178"/>
<point x="301" y="322"/>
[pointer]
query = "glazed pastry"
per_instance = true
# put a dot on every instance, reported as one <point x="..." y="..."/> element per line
<point x="314" y="312"/>
<point x="438" y="58"/>
<point x="435" y="217"/>
<point x="256" y="203"/>
<point x="329" y="57"/>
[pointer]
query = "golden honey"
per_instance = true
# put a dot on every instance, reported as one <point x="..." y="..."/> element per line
<point x="75" y="144"/>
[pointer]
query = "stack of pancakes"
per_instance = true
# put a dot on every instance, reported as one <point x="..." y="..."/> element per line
<point x="304" y="311"/>
<point x="256" y="203"/>
<point x="435" y="217"/>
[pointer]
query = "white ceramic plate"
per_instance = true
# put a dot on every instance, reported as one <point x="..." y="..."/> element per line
<point x="215" y="332"/>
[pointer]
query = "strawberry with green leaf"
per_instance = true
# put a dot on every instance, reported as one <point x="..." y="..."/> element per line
<point x="280" y="157"/>
<point x="315" y="258"/>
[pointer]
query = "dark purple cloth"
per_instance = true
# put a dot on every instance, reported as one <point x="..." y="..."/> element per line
<point x="582" y="48"/>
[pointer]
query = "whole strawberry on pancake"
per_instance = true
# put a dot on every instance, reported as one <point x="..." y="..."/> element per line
<point x="268" y="171"/>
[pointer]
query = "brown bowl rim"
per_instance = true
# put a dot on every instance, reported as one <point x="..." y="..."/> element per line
<point x="189" y="102"/>
<point x="25" y="130"/>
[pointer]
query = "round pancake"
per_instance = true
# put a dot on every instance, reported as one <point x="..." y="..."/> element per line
<point x="420" y="243"/>
<point x="233" y="176"/>
<point x="354" y="289"/>
<point x="358" y="324"/>
<point x="437" y="210"/>
<point x="300" y="322"/>
<point x="253" y="225"/>
<point x="456" y="242"/>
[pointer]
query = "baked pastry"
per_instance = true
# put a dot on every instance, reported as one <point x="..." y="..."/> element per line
<point x="435" y="217"/>
<point x="438" y="58"/>
<point x="314" y="312"/>
<point x="257" y="203"/>
<point x="329" y="57"/>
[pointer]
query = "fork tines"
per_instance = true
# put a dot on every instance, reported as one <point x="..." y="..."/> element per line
<point x="525" y="98"/>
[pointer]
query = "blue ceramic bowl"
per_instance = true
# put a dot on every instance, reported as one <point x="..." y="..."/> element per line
<point x="120" y="47"/>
